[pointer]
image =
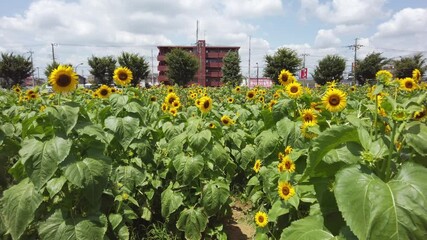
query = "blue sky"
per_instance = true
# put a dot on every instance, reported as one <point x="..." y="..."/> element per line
<point x="82" y="28"/>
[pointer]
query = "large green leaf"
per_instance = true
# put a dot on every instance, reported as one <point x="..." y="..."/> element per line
<point x="374" y="209"/>
<point x="286" y="129"/>
<point x="55" y="185"/>
<point x="214" y="195"/>
<point x="65" y="115"/>
<point x="91" y="174"/>
<point x="18" y="205"/>
<point x="41" y="158"/>
<point x="118" y="225"/>
<point x="129" y="176"/>
<point x="266" y="143"/>
<point x="308" y="228"/>
<point x="118" y="102"/>
<point x="416" y="137"/>
<point x="193" y="222"/>
<point x="60" y="226"/>
<point x="124" y="129"/>
<point x="200" y="140"/>
<point x="171" y="201"/>
<point x="326" y="141"/>
<point x="188" y="167"/>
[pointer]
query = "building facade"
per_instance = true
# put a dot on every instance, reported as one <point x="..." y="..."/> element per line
<point x="210" y="62"/>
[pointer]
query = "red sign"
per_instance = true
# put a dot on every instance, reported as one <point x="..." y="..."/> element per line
<point x="304" y="73"/>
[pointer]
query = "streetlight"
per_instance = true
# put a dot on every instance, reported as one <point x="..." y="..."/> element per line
<point x="75" y="70"/>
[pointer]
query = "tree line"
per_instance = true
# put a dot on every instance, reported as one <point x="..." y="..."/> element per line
<point x="182" y="67"/>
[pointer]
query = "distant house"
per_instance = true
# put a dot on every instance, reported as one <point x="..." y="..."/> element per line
<point x="210" y="59"/>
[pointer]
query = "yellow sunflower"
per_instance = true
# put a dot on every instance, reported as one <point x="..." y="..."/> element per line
<point x="261" y="99"/>
<point x="212" y="125"/>
<point x="288" y="164"/>
<point x="204" y="104"/>
<point x="165" y="107"/>
<point x="285" y="190"/>
<point x="420" y="115"/>
<point x="153" y="98"/>
<point x="257" y="166"/>
<point x="63" y="79"/>
<point x="271" y="104"/>
<point x="261" y="219"/>
<point x="237" y="89"/>
<point x="384" y="76"/>
<point x="286" y="77"/>
<point x="170" y="98"/>
<point x="104" y="91"/>
<point x="308" y="115"/>
<point x="173" y="111"/>
<point x="230" y="100"/>
<point x="176" y="104"/>
<point x="288" y="150"/>
<point x="170" y="89"/>
<point x="334" y="100"/>
<point x="17" y="89"/>
<point x="305" y="129"/>
<point x="226" y="120"/>
<point x="408" y="84"/>
<point x="294" y="90"/>
<point x="416" y="75"/>
<point x="250" y="94"/>
<point x="122" y="76"/>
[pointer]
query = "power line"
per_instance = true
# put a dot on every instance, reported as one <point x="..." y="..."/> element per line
<point x="355" y="46"/>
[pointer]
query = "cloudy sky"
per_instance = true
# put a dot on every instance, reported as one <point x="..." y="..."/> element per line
<point x="78" y="29"/>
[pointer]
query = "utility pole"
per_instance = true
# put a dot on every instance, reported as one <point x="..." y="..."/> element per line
<point x="53" y="52"/>
<point x="355" y="46"/>
<point x="303" y="65"/>
<point x="32" y="66"/>
<point x="257" y="68"/>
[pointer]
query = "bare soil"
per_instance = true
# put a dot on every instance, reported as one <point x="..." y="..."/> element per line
<point x="239" y="227"/>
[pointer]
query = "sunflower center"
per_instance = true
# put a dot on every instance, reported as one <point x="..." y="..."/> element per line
<point x="206" y="104"/>
<point x="308" y="117"/>
<point x="261" y="219"/>
<point x="409" y="84"/>
<point x="284" y="77"/>
<point x="294" y="89"/>
<point x="285" y="191"/>
<point x="123" y="76"/>
<point x="171" y="100"/>
<point x="63" y="80"/>
<point x="287" y="165"/>
<point x="225" y="121"/>
<point x="334" y="100"/>
<point x="104" y="92"/>
<point x="250" y="95"/>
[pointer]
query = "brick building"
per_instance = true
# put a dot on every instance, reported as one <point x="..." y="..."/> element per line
<point x="210" y="59"/>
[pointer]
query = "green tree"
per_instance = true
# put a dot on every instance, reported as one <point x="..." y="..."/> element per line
<point x="49" y="68"/>
<point x="102" y="68"/>
<point x="283" y="58"/>
<point x="405" y="65"/>
<point x="137" y="64"/>
<point x="369" y="66"/>
<point x="231" y="73"/>
<point x="14" y="69"/>
<point x="329" y="68"/>
<point x="182" y="66"/>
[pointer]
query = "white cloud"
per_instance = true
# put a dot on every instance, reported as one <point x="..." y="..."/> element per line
<point x="326" y="38"/>
<point x="344" y="11"/>
<point x="252" y="8"/>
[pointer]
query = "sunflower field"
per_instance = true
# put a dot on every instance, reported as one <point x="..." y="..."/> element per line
<point x="332" y="162"/>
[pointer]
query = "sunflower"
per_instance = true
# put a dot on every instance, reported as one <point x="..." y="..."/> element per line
<point x="308" y="115"/>
<point x="104" y="91"/>
<point x="271" y="104"/>
<point x="257" y="166"/>
<point x="288" y="150"/>
<point x="153" y="98"/>
<point x="113" y="90"/>
<point x="170" y="89"/>
<point x="122" y="76"/>
<point x="250" y="94"/>
<point x="334" y="100"/>
<point x="285" y="190"/>
<point x="176" y="104"/>
<point x="408" y="84"/>
<point x="420" y="115"/>
<point x="63" y="79"/>
<point x="17" y="89"/>
<point x="173" y="111"/>
<point x="416" y="75"/>
<point x="165" y="107"/>
<point x="261" y="99"/>
<point x="286" y="77"/>
<point x="384" y="76"/>
<point x="226" y="120"/>
<point x="261" y="219"/>
<point x="294" y="90"/>
<point x="212" y="125"/>
<point x="204" y="104"/>
<point x="230" y="100"/>
<point x="288" y="164"/>
<point x="170" y="98"/>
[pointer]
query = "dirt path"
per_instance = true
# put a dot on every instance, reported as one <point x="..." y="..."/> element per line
<point x="238" y="228"/>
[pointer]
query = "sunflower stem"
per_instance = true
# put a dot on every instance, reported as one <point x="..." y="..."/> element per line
<point x="387" y="164"/>
<point x="374" y="127"/>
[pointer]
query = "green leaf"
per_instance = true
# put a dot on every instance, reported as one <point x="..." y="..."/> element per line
<point x="171" y="201"/>
<point x="200" y="140"/>
<point x="118" y="226"/>
<point x="416" y="137"/>
<point x="267" y="143"/>
<point x="60" y="226"/>
<point x="374" y="209"/>
<point x="308" y="228"/>
<point x="125" y="129"/>
<point x="129" y="176"/>
<point x="286" y="129"/>
<point x="278" y="209"/>
<point x="193" y="222"/>
<point x="18" y="206"/>
<point x="118" y="102"/>
<point x="326" y="141"/>
<point x="214" y="195"/>
<point x="90" y="174"/>
<point x="41" y="158"/>
<point x="65" y="115"/>
<point x="188" y="168"/>
<point x="55" y="185"/>
<point x="248" y="157"/>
